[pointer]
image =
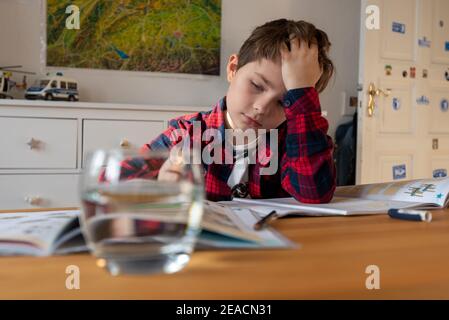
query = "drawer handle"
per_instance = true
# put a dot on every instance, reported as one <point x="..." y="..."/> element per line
<point x="124" y="143"/>
<point x="34" y="201"/>
<point x="34" y="144"/>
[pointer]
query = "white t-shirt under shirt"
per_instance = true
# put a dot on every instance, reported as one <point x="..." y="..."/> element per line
<point x="242" y="155"/>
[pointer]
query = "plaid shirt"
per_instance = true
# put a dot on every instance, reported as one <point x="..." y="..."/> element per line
<point x="306" y="169"/>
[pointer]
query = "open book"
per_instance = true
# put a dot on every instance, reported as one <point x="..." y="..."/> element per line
<point x="360" y="199"/>
<point x="58" y="232"/>
<point x="40" y="233"/>
<point x="224" y="227"/>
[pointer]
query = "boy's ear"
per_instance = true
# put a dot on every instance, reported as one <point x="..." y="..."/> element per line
<point x="231" y="68"/>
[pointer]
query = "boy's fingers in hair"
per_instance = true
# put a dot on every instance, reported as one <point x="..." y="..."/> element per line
<point x="321" y="72"/>
<point x="314" y="49"/>
<point x="295" y="44"/>
<point x="284" y="50"/>
<point x="313" y="41"/>
<point x="291" y="37"/>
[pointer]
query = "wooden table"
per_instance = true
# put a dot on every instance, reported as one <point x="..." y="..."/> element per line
<point x="413" y="258"/>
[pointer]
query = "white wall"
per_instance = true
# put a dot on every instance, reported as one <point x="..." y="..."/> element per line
<point x="20" y="43"/>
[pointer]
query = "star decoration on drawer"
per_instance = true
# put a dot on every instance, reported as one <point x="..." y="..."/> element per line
<point x="125" y="143"/>
<point x="33" y="143"/>
<point x="440" y="196"/>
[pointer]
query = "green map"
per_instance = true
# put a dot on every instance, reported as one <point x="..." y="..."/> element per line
<point x="175" y="36"/>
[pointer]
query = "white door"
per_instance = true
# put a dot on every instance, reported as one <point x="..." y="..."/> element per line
<point x="404" y="134"/>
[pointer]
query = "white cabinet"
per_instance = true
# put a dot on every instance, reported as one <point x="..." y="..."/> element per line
<point x="43" y="143"/>
<point x="111" y="134"/>
<point x="38" y="190"/>
<point x="30" y="143"/>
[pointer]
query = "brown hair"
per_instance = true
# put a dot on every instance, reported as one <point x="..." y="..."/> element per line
<point x="266" y="40"/>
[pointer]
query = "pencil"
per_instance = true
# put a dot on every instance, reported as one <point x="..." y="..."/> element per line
<point x="259" y="225"/>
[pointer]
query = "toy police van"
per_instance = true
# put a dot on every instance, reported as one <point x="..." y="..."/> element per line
<point x="54" y="88"/>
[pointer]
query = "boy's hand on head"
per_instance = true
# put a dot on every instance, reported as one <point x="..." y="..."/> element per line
<point x="300" y="66"/>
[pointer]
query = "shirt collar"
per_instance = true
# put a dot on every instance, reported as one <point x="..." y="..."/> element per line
<point x="217" y="119"/>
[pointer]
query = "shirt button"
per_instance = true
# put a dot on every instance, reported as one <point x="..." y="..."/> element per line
<point x="287" y="103"/>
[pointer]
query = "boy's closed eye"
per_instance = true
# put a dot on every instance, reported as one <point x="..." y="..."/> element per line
<point x="258" y="87"/>
<point x="261" y="89"/>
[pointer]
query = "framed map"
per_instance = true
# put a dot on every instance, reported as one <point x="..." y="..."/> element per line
<point x="174" y="36"/>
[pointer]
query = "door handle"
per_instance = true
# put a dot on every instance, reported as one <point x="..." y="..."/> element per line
<point x="372" y="94"/>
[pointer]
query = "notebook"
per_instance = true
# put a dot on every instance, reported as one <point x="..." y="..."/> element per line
<point x="58" y="232"/>
<point x="359" y="199"/>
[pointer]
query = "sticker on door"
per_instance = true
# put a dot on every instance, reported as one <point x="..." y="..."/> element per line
<point x="398" y="27"/>
<point x="444" y="105"/>
<point x="423" y="100"/>
<point x="396" y="104"/>
<point x="399" y="172"/>
<point x="439" y="173"/>
<point x="424" y="42"/>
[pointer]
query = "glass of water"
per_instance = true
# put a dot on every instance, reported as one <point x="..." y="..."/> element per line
<point x="142" y="211"/>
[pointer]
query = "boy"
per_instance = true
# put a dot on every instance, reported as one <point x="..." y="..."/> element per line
<point x="274" y="82"/>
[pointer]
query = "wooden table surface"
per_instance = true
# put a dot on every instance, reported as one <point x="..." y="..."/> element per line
<point x="413" y="259"/>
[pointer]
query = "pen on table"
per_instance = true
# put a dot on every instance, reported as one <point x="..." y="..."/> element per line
<point x="412" y="215"/>
<point x="262" y="223"/>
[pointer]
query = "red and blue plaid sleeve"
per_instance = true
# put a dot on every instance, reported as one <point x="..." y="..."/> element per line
<point x="307" y="168"/>
<point x="177" y="130"/>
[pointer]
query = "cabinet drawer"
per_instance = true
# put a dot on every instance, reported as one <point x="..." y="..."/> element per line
<point x="37" y="143"/>
<point x="38" y="191"/>
<point x="113" y="134"/>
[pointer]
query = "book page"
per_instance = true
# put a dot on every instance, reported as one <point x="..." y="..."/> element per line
<point x="244" y="220"/>
<point x="39" y="229"/>
<point x="338" y="206"/>
<point x="216" y="218"/>
<point x="221" y="219"/>
<point x="431" y="191"/>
